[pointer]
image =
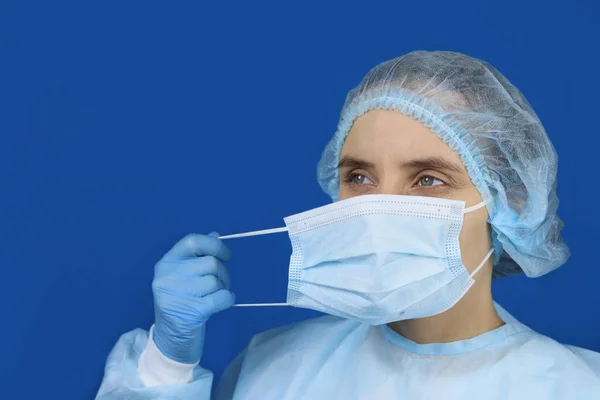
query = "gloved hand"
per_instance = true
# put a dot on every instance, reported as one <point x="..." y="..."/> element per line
<point x="190" y="284"/>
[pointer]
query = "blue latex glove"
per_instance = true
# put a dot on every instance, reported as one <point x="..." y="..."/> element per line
<point x="190" y="284"/>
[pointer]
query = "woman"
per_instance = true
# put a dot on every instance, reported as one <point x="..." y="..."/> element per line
<point x="442" y="178"/>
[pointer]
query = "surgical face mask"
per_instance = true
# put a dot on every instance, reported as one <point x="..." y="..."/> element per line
<point x="377" y="258"/>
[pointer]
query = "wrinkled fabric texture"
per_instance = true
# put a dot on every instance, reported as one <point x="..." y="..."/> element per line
<point x="122" y="380"/>
<point x="492" y="127"/>
<point x="329" y="358"/>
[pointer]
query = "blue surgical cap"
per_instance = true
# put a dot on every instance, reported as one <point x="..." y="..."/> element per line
<point x="486" y="120"/>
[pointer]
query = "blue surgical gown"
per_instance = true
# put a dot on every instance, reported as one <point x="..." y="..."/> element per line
<point x="331" y="358"/>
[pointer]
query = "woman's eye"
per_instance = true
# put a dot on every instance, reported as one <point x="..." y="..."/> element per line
<point x="360" y="180"/>
<point x="430" y="181"/>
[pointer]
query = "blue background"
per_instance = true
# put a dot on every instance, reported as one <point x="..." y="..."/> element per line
<point x="126" y="125"/>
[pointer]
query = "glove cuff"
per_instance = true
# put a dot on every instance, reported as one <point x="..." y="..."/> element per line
<point x="157" y="369"/>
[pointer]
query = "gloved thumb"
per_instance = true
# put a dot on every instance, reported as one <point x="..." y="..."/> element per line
<point x="226" y="253"/>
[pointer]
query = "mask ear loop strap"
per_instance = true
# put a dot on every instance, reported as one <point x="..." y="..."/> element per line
<point x="255" y="233"/>
<point x="474" y="208"/>
<point x="258" y="233"/>
<point x="487" y="257"/>
<point x="489" y="254"/>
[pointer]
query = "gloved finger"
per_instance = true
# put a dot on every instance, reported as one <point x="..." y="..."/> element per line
<point x="196" y="245"/>
<point x="204" y="286"/>
<point x="220" y="300"/>
<point x="196" y="286"/>
<point x="194" y="267"/>
<point x="206" y="266"/>
<point x="223" y="275"/>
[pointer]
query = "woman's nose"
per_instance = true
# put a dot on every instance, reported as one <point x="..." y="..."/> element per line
<point x="391" y="187"/>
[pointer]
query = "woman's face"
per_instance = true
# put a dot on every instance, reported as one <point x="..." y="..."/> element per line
<point x="389" y="153"/>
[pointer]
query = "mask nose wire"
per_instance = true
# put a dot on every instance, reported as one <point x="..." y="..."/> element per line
<point x="285" y="228"/>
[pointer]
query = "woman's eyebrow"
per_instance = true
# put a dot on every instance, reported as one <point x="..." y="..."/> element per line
<point x="438" y="163"/>
<point x="356" y="163"/>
